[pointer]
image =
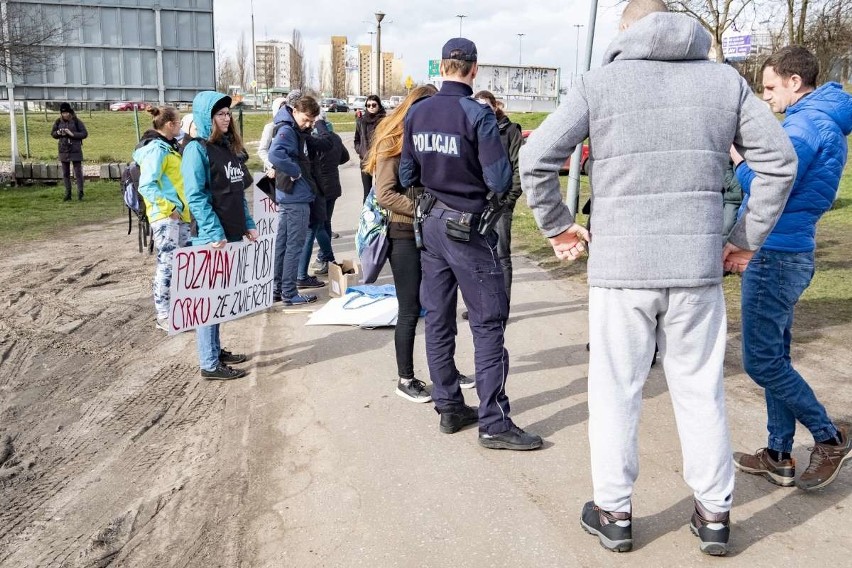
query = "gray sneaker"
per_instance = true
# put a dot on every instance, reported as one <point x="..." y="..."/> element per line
<point x="163" y="323"/>
<point x="466" y="382"/>
<point x="320" y="267"/>
<point x="413" y="390"/>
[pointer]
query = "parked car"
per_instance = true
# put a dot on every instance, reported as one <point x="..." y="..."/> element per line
<point x="333" y="105"/>
<point x="395" y="101"/>
<point x="128" y="105"/>
<point x="563" y="171"/>
<point x="359" y="103"/>
<point x="387" y="104"/>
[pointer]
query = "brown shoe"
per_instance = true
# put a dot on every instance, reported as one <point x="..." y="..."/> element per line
<point x="782" y="472"/>
<point x="826" y="462"/>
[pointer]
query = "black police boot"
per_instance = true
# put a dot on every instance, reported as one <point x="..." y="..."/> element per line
<point x="454" y="420"/>
<point x="512" y="439"/>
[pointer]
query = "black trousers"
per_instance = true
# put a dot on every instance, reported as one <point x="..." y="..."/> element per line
<point x="367" y="182"/>
<point x="405" y="266"/>
<point x="78" y="175"/>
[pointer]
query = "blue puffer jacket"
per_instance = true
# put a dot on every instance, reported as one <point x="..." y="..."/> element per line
<point x="195" y="169"/>
<point x="818" y="125"/>
<point x="284" y="153"/>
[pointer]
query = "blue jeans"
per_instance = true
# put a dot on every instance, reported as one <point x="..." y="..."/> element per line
<point x="207" y="340"/>
<point x="323" y="239"/>
<point x="289" y="240"/>
<point x="771" y="287"/>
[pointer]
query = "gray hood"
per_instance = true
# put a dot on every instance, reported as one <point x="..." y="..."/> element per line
<point x="661" y="36"/>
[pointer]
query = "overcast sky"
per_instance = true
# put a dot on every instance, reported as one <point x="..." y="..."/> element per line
<point x="416" y="29"/>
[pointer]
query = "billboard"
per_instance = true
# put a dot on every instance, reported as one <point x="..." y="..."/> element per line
<point x="521" y="88"/>
<point x="736" y="46"/>
<point x="149" y="50"/>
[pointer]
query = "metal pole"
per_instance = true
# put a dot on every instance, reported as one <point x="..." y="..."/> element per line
<point x="520" y="47"/>
<point x="379" y="17"/>
<point x="10" y="88"/>
<point x="161" y="80"/>
<point x="577" y="51"/>
<point x="461" y="18"/>
<point x="136" y="121"/>
<point x="572" y="199"/>
<point x="26" y="132"/>
<point x="253" y="56"/>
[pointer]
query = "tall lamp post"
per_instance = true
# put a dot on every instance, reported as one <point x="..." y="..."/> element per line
<point x="461" y="18"/>
<point x="253" y="56"/>
<point x="520" y="47"/>
<point x="577" y="51"/>
<point x="379" y="17"/>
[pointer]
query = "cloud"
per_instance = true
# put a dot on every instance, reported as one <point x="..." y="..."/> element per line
<point x="416" y="29"/>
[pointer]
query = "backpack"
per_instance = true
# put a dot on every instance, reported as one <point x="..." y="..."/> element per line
<point x="135" y="204"/>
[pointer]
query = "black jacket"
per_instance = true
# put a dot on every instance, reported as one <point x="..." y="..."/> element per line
<point x="329" y="175"/>
<point x="365" y="128"/>
<point x="512" y="139"/>
<point x="70" y="145"/>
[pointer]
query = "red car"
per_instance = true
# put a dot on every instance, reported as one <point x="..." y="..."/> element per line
<point x="128" y="105"/>
<point x="584" y="157"/>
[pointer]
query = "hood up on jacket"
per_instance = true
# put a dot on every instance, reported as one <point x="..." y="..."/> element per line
<point x="202" y="111"/>
<point x="285" y="115"/>
<point x="661" y="36"/>
<point x="276" y="104"/>
<point x="829" y="99"/>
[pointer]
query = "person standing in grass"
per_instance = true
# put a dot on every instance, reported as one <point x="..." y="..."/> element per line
<point x="161" y="186"/>
<point x="70" y="132"/>
<point x="818" y="120"/>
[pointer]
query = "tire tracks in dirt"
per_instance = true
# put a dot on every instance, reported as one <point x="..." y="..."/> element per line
<point x="112" y="450"/>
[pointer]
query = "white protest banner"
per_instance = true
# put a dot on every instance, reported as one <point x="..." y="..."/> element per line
<point x="211" y="286"/>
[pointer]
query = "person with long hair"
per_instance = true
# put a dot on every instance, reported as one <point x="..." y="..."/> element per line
<point x="382" y="164"/>
<point x="70" y="132"/>
<point x="365" y="128"/>
<point x="161" y="187"/>
<point x="215" y="178"/>
<point x="512" y="139"/>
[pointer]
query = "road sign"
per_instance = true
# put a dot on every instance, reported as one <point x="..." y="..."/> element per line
<point x="409" y="82"/>
<point x="434" y="67"/>
<point x="253" y="84"/>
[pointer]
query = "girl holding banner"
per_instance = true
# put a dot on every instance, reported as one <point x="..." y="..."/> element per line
<point x="215" y="179"/>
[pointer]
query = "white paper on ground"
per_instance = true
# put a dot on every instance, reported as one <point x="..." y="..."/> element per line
<point x="381" y="313"/>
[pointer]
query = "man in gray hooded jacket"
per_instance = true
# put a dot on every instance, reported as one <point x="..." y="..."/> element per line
<point x="660" y="119"/>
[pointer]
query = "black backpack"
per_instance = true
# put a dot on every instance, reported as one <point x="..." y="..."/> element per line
<point x="136" y="205"/>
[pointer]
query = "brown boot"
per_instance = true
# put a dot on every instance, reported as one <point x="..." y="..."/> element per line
<point x="826" y="461"/>
<point x="781" y="472"/>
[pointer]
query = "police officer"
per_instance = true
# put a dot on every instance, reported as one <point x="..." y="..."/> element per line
<point x="452" y="148"/>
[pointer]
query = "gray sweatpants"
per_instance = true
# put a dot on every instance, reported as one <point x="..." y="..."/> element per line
<point x="689" y="326"/>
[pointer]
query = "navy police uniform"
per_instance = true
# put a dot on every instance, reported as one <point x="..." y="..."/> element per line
<point x="452" y="148"/>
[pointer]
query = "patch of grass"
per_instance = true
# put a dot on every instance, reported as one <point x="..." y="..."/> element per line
<point x="827" y="302"/>
<point x="29" y="213"/>
<point x="112" y="135"/>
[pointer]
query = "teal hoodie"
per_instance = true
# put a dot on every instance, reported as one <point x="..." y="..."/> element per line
<point x="196" y="173"/>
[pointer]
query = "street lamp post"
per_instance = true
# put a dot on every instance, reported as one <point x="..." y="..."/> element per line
<point x="577" y="51"/>
<point x="520" y="47"/>
<point x="254" y="56"/>
<point x="461" y="18"/>
<point x="379" y="17"/>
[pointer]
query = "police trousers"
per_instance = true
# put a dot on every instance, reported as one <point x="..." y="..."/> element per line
<point x="474" y="268"/>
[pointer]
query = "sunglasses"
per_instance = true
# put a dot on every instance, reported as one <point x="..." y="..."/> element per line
<point x="372" y="105"/>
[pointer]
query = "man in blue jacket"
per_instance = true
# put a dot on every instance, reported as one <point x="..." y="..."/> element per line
<point x="452" y="148"/>
<point x="294" y="195"/>
<point x="817" y="122"/>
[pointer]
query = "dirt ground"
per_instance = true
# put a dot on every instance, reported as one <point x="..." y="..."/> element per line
<point x="114" y="452"/>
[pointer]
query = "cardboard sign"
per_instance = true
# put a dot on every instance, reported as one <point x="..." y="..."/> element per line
<point x="211" y="286"/>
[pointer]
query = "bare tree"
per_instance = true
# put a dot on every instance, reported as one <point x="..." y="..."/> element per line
<point x="298" y="65"/>
<point x="715" y="15"/>
<point x="242" y="61"/>
<point x="27" y="37"/>
<point x="226" y="74"/>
